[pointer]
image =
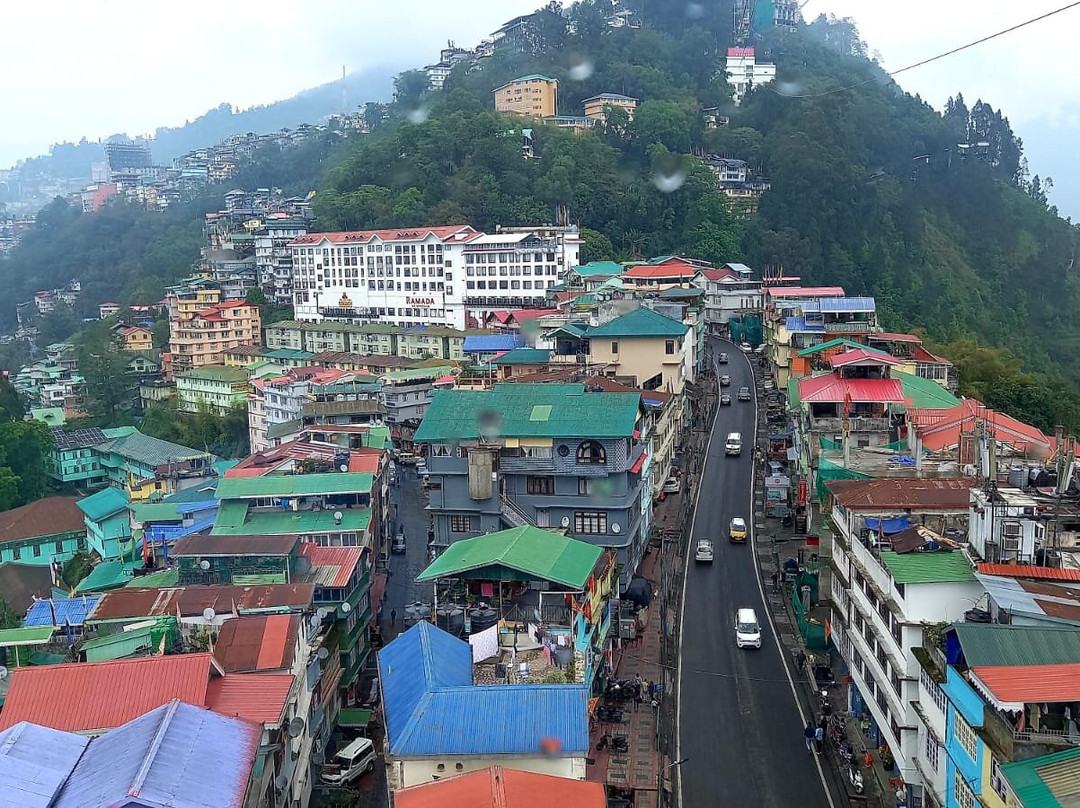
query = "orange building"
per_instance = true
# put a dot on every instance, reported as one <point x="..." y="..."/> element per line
<point x="203" y="338"/>
<point x="534" y="95"/>
<point x="136" y="337"/>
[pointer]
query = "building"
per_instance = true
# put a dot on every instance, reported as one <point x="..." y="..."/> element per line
<point x="431" y="704"/>
<point x="216" y="388"/>
<point x="738" y="181"/>
<point x="135" y="337"/>
<point x="407" y="394"/>
<point x="1004" y="526"/>
<point x="450" y="276"/>
<point x="498" y="788"/>
<point x="273" y="260"/>
<point x="43" y="531"/>
<point x="546" y="455"/>
<point x="449" y="57"/>
<point x="730" y="293"/>
<point x="204" y="336"/>
<point x="577" y="123"/>
<point x="108" y="528"/>
<point x="108" y="309"/>
<point x="535" y="96"/>
<point x="645" y="349"/>
<point x="596" y="106"/>
<point x="894" y="574"/>
<point x="745" y="72"/>
<point x="280" y="399"/>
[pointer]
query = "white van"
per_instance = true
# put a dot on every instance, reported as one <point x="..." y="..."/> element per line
<point x="349" y="763"/>
<point x="747" y="629"/>
<point x="733" y="444"/>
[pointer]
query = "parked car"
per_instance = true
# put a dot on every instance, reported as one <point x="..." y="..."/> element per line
<point x="725" y="400"/>
<point x="760" y="349"/>
<point x="744" y="394"/>
<point x="357" y="758"/>
<point x="737" y="529"/>
<point x="397" y="546"/>
<point x="421" y="466"/>
<point x="672" y="485"/>
<point x="722" y="359"/>
<point x="725" y="381"/>
<point x="408" y="459"/>
<point x="745" y="347"/>
<point x="703" y="551"/>
<point x="775" y="468"/>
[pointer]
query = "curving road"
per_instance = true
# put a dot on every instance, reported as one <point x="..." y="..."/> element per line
<point x="739" y="724"/>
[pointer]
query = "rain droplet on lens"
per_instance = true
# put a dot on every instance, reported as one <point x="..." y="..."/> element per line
<point x="669" y="182"/>
<point x="418" y="115"/>
<point x="489" y="424"/>
<point x="788" y="88"/>
<point x="581" y="70"/>
<point x="695" y="11"/>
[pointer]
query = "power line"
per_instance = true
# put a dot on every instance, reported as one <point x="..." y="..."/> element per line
<point x="987" y="38"/>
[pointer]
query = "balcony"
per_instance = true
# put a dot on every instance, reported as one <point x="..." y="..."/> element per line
<point x="849" y="328"/>
<point x="856" y="424"/>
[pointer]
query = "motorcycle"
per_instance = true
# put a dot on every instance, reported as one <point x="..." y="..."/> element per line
<point x="826" y="705"/>
<point x="609" y="715"/>
<point x="617" y="743"/>
<point x="855" y="777"/>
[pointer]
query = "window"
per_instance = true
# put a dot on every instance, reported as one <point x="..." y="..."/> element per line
<point x="962" y="793"/>
<point x="460" y="524"/>
<point x="614" y="346"/>
<point x="592" y="453"/>
<point x="936" y="693"/>
<point x="669" y="347"/>
<point x="932" y="751"/>
<point x="997" y="781"/>
<point x="583" y="486"/>
<point x="965" y="735"/>
<point x="540" y="485"/>
<point x="590" y="522"/>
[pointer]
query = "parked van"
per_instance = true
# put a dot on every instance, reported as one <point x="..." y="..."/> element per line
<point x="349" y="763"/>
<point x="733" y="444"/>
<point x="747" y="629"/>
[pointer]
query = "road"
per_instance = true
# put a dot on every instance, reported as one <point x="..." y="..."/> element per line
<point x="407" y="513"/>
<point x="739" y="725"/>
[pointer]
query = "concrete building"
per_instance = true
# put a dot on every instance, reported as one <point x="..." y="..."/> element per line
<point x="203" y="338"/>
<point x="215" y="387"/>
<point x="279" y="399"/>
<point x="549" y="455"/>
<point x="596" y="106"/>
<point x="534" y="96"/>
<point x="730" y="292"/>
<point x="40" y="533"/>
<point x="745" y="72"/>
<point x="1004" y="526"/>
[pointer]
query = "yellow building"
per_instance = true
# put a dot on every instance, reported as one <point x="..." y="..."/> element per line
<point x="533" y="95"/>
<point x="136" y="338"/>
<point x="596" y="106"/>
<point x="204" y="338"/>
<point x="643" y="348"/>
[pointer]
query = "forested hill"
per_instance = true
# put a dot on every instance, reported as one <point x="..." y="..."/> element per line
<point x="868" y="189"/>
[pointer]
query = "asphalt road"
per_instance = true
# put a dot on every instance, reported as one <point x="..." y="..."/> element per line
<point x="739" y="725"/>
<point x="407" y="512"/>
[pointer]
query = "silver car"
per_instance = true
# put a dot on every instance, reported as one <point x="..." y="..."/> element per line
<point x="703" y="551"/>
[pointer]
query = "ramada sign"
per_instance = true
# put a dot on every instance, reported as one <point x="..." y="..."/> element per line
<point x="420" y="301"/>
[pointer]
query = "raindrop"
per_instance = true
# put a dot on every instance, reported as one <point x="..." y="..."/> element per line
<point x="418" y="115"/>
<point x="669" y="181"/>
<point x="791" y="88"/>
<point x="695" y="11"/>
<point x="489" y="424"/>
<point x="581" y="70"/>
<point x="601" y="488"/>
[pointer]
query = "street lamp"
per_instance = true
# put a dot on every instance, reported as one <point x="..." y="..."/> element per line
<point x="660" y="779"/>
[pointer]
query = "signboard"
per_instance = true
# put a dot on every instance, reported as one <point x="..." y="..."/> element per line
<point x="420" y="301"/>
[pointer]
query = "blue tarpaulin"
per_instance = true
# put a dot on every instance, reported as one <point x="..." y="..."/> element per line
<point x="888" y="525"/>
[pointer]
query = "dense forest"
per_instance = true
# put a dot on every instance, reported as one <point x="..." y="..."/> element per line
<point x="870" y="188"/>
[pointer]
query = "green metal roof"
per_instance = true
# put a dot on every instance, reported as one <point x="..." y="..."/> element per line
<point x="924" y="393"/>
<point x="156" y="580"/>
<point x="640" y="323"/>
<point x="793" y="392"/>
<point x="117" y="646"/>
<point x="53" y="416"/>
<point x="353" y="717"/>
<point x="156" y="512"/>
<point x="29" y="635"/>
<point x="105" y="576"/>
<point x="524" y="356"/>
<point x="680" y="292"/>
<point x="136" y="447"/>
<point x="103" y="504"/>
<point x="218" y="373"/>
<point x="538" y="554"/>
<point x="991" y="644"/>
<point x="294" y="485"/>
<point x="928" y="568"/>
<point x="1049" y="781"/>
<point x="532" y="77"/>
<point x="289" y="353"/>
<point x="839" y="343"/>
<point x="529" y="411"/>
<point x="601" y="268"/>
<point x="285" y="523"/>
<point x="231" y="515"/>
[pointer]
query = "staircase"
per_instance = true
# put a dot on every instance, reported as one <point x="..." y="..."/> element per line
<point x="512" y="514"/>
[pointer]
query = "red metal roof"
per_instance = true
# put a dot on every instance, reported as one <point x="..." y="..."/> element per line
<point x="397" y="234"/>
<point x="940" y="429"/>
<point x="804" y="291"/>
<point x="257" y="643"/>
<point x="87" y="696"/>
<point x="1032" y="683"/>
<point x="861" y="355"/>
<point x="130" y="603"/>
<point x="43" y="517"/>
<point x="368" y="463"/>
<point x="195" y="599"/>
<point x="831" y="388"/>
<point x="903" y="493"/>
<point x="502" y="788"/>
<point x="1029" y="571"/>
<point x="345" y="559"/>
<point x="258" y="697"/>
<point x="672" y="270"/>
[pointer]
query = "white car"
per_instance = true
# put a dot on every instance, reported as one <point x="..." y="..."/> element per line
<point x="747" y="629"/>
<point x="745" y="347"/>
<point x="347" y="765"/>
<point x="703" y="551"/>
<point x="672" y="486"/>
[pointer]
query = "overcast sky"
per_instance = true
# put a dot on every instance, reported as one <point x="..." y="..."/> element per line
<point x="96" y="69"/>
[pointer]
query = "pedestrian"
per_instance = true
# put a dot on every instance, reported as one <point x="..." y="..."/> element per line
<point x="775" y="581"/>
<point x="393" y="618"/>
<point x="819" y="738"/>
<point x="808" y="735"/>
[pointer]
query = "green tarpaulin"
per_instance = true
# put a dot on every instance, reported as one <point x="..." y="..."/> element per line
<point x="828" y="471"/>
<point x="746" y="329"/>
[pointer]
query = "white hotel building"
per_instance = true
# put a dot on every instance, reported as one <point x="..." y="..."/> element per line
<point x="452" y="276"/>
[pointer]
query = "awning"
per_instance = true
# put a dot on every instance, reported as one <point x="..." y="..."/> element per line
<point x="636" y="468"/>
<point x="888" y="525"/>
<point x="354" y="717"/>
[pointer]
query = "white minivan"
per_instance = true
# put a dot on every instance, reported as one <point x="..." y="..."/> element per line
<point x="747" y="629"/>
<point x="348" y="764"/>
<point x="733" y="444"/>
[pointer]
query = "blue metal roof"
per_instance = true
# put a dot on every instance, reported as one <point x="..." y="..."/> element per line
<point x="481" y="343"/>
<point x="840" y="304"/>
<point x="195" y="507"/>
<point x="67" y="611"/>
<point x="34" y="763"/>
<point x="177" y="755"/>
<point x="798" y="325"/>
<point x="433" y="708"/>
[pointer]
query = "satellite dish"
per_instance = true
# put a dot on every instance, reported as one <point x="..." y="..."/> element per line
<point x="208" y="614"/>
<point x="566" y="521"/>
<point x="323" y="653"/>
<point x="344" y="467"/>
<point x="322" y="612"/>
<point x="295" y="728"/>
<point x="346" y="607"/>
<point x="616" y="527"/>
<point x="3" y="673"/>
<point x="204" y="564"/>
<point x="338" y="516"/>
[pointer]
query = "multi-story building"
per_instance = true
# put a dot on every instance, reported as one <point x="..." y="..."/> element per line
<point x="596" y="106"/>
<point x="203" y="338"/>
<point x="273" y="259"/>
<point x="406" y="394"/>
<point x="279" y="399"/>
<point x="449" y="57"/>
<point x="135" y="337"/>
<point x="549" y="455"/>
<point x="54" y="382"/>
<point x="535" y="96"/>
<point x="217" y="388"/>
<point x="45" y="531"/>
<point x="745" y="72"/>
<point x="450" y="276"/>
<point x="730" y="293"/>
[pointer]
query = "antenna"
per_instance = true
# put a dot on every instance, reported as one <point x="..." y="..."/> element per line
<point x="204" y="565"/>
<point x="209" y="614"/>
<point x="4" y="673"/>
<point x="346" y="607"/>
<point x="338" y="515"/>
<point x="295" y="728"/>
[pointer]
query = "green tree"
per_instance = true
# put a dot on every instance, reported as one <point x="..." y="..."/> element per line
<point x="23" y="447"/>
<point x="12" y="406"/>
<point x="664" y="122"/>
<point x="595" y="247"/>
<point x="410" y="88"/>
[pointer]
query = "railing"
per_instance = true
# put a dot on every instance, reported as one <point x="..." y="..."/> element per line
<point x="1032" y="735"/>
<point x="512" y="514"/>
<point x="848" y="327"/>
<point x="855" y="424"/>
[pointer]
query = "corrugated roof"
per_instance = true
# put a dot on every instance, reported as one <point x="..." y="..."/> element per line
<point x="1048" y="781"/>
<point x="830" y="305"/>
<point x="836" y="343"/>
<point x="178" y="755"/>
<point x="862" y="356"/>
<point x="639" y="324"/>
<point x="293" y="597"/>
<point x="43" y="517"/>
<point x="539" y="554"/>
<point x="257" y="642"/>
<point x="259" y="697"/>
<point x="503" y="788"/>
<point x="834" y="389"/>
<point x="1021" y="684"/>
<point x="797" y="324"/>
<point x="924" y="394"/>
<point x="294" y="485"/>
<point x="104" y="503"/>
<point x="943" y="566"/>
<point x="158" y="580"/>
<point x="432" y="707"/>
<point x="888" y="494"/>
<point x="524" y="356"/>
<point x="1029" y="571"/>
<point x="130" y="603"/>
<point x="262" y="523"/>
<point x="106" y="575"/>
<point x="648" y="271"/>
<point x="203" y="545"/>
<point x="994" y="645"/>
<point x="486" y="343"/>
<point x="27" y="635"/>
<point x="132" y="445"/>
<point x="518" y="410"/>
<point x="598" y="268"/>
<point x="102" y="695"/>
<point x="941" y="429"/>
<point x="341" y="561"/>
<point x="156" y="512"/>
<point x="20" y="584"/>
<point x="61" y="611"/>
<point x="35" y="762"/>
<point x="804" y="291"/>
